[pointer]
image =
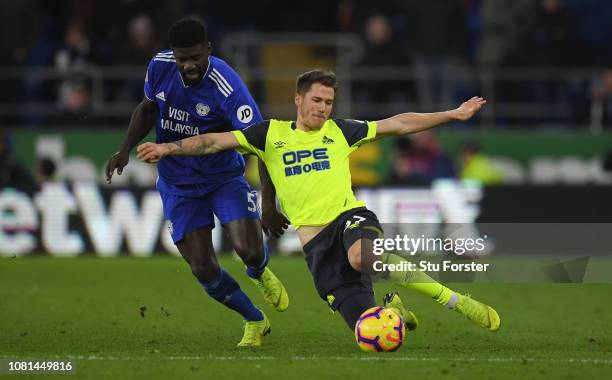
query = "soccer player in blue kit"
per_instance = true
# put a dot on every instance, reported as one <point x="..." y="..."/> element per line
<point x="189" y="92"/>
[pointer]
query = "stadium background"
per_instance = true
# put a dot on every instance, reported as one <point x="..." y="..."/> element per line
<point x="72" y="71"/>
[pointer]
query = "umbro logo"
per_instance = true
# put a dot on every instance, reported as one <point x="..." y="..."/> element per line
<point x="327" y="140"/>
<point x="279" y="144"/>
<point x="161" y="96"/>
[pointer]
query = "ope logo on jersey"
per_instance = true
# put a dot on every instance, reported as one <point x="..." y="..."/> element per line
<point x="294" y="165"/>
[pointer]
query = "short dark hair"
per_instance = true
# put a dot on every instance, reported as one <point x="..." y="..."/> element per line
<point x="187" y="32"/>
<point x="325" y="77"/>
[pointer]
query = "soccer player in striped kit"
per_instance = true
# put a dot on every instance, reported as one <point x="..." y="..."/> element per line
<point x="188" y="92"/>
<point x="308" y="161"/>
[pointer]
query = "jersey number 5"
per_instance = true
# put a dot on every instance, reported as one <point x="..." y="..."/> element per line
<point x="252" y="199"/>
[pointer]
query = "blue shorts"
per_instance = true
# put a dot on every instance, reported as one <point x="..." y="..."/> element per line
<point x="229" y="201"/>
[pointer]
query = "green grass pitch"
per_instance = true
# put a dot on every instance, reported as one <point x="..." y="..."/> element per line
<point x="88" y="310"/>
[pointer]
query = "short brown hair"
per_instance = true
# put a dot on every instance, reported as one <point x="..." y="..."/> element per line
<point x="326" y="77"/>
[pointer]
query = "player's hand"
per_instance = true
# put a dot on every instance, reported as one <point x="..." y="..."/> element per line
<point x="469" y="108"/>
<point x="117" y="161"/>
<point x="150" y="152"/>
<point x="273" y="221"/>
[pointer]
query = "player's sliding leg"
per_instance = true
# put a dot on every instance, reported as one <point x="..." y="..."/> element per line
<point x="197" y="249"/>
<point x="247" y="241"/>
<point x="363" y="226"/>
<point x="355" y="258"/>
<point x="362" y="258"/>
<point x="346" y="290"/>
<point x="354" y="305"/>
<point x="479" y="313"/>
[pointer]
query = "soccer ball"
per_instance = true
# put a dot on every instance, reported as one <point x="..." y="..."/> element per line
<point x="379" y="329"/>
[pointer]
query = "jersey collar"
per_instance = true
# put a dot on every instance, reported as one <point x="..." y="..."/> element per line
<point x="296" y="129"/>
<point x="201" y="80"/>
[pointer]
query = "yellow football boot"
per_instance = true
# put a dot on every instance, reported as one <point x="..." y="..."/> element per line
<point x="477" y="312"/>
<point x="273" y="290"/>
<point x="392" y="300"/>
<point x="254" y="331"/>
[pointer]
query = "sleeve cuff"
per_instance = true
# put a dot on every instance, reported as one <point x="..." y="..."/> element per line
<point x="242" y="141"/>
<point x="371" y="130"/>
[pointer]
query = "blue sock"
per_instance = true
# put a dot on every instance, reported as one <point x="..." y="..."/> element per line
<point x="256" y="272"/>
<point x="227" y="291"/>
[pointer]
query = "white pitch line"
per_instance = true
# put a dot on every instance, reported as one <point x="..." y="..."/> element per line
<point x="381" y="357"/>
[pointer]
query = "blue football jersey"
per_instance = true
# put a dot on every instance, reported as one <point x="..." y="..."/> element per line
<point x="219" y="102"/>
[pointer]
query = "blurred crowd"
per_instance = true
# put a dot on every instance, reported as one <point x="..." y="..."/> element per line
<point x="420" y="159"/>
<point x="529" y="39"/>
<point x="416" y="161"/>
<point x="429" y="36"/>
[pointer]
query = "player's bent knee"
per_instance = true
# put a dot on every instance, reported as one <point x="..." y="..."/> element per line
<point x="250" y="255"/>
<point x="205" y="272"/>
<point x="354" y="256"/>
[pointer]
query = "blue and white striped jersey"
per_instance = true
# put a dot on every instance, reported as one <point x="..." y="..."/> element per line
<point x="219" y="102"/>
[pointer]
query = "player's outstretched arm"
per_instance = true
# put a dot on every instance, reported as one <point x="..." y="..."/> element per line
<point x="406" y="123"/>
<point x="201" y="145"/>
<point x="143" y="119"/>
